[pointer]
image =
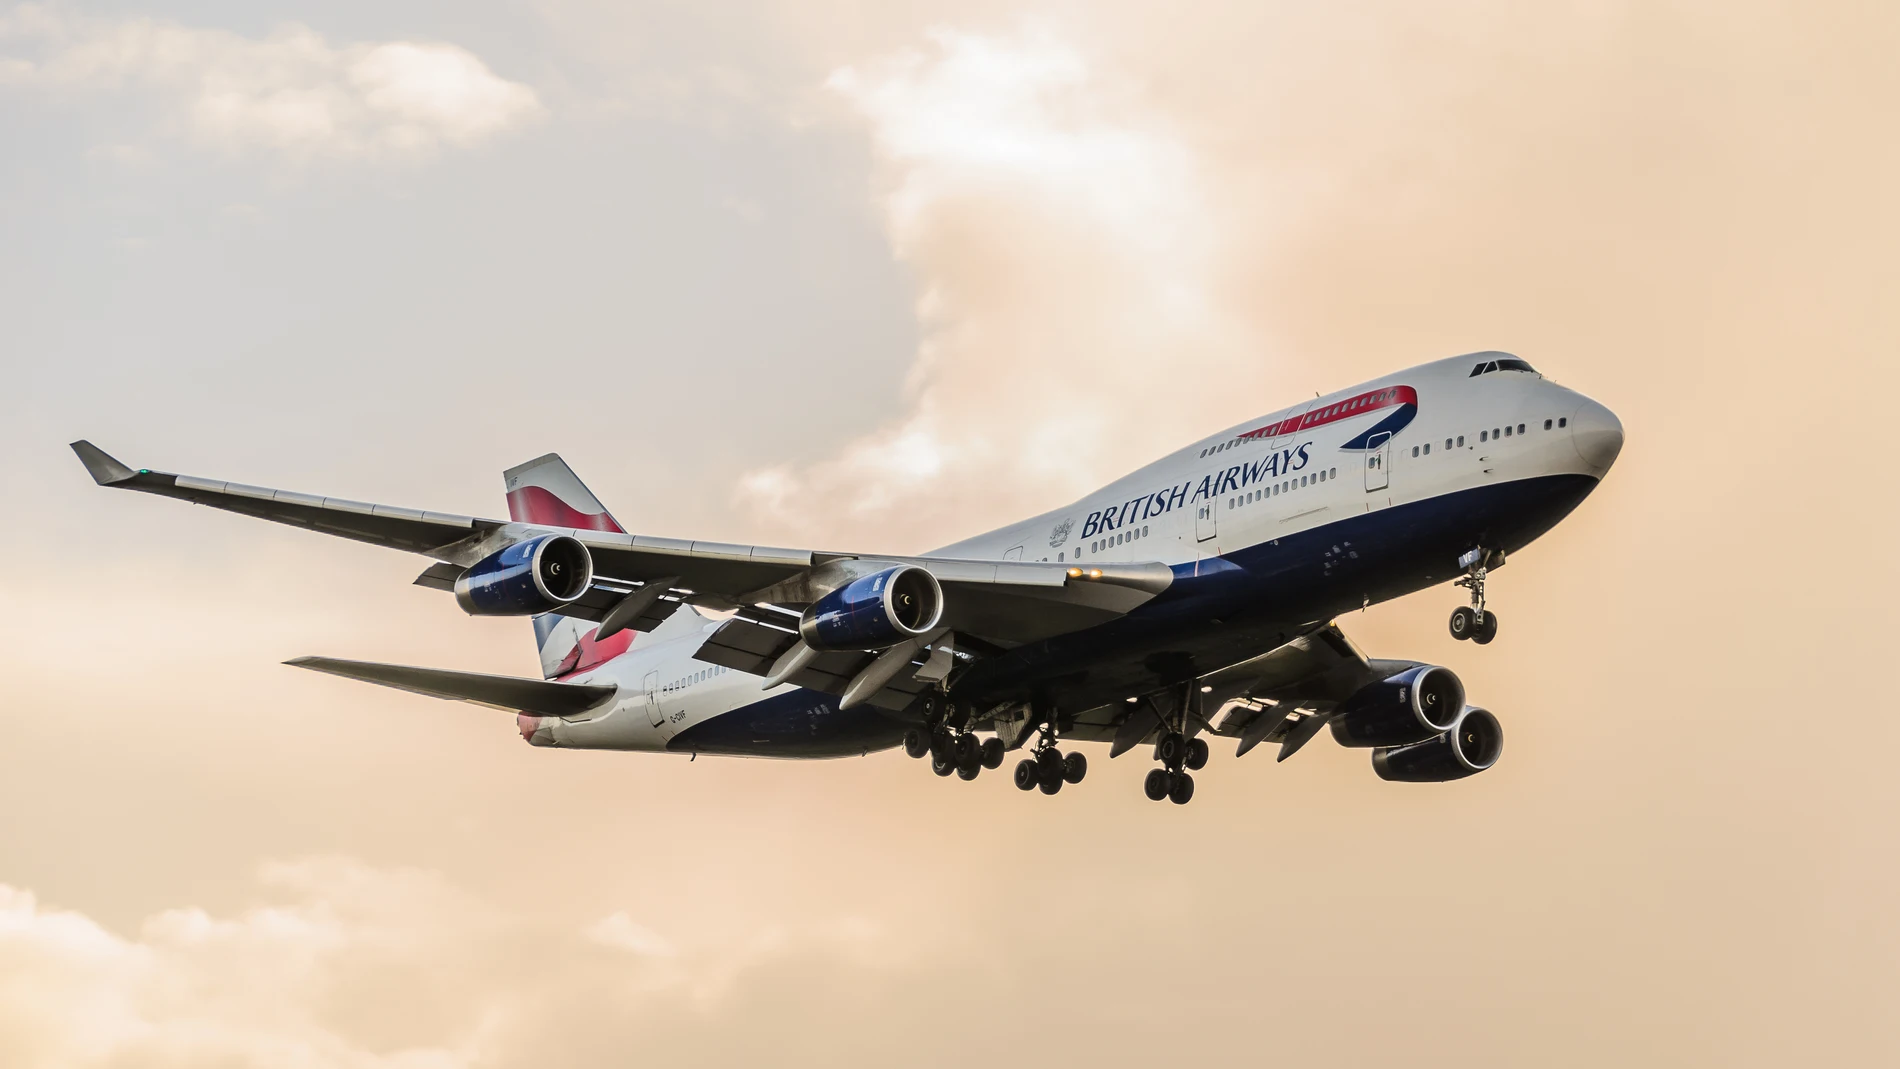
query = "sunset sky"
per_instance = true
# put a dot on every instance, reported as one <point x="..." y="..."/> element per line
<point x="821" y="274"/>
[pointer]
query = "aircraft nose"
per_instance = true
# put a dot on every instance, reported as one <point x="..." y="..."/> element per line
<point x="1597" y="434"/>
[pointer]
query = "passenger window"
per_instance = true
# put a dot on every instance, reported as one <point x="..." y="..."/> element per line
<point x="1144" y="532"/>
<point x="1428" y="449"/>
<point x="1520" y="428"/>
<point x="1494" y="432"/>
<point x="1546" y="424"/>
<point x="1332" y="473"/>
<point x="1484" y="436"/>
<point x="1507" y="432"/>
<point x="1415" y="450"/>
<point x="1564" y="422"/>
<point x="1461" y="441"/>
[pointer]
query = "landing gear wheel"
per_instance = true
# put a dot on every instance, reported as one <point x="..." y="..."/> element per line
<point x="1181" y="788"/>
<point x="1050" y="784"/>
<point x="1049" y="763"/>
<point x="1075" y="765"/>
<point x="1464" y="623"/>
<point x="916" y="742"/>
<point x="993" y="753"/>
<point x="1026" y="775"/>
<point x="968" y="750"/>
<point x="1168" y="750"/>
<point x="1487" y="630"/>
<point x="941" y="767"/>
<point x="942" y="744"/>
<point x="1196" y="758"/>
<point x="967" y="773"/>
<point x="1157" y="784"/>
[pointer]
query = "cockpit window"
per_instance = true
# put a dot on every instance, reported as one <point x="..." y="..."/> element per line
<point x="1511" y="364"/>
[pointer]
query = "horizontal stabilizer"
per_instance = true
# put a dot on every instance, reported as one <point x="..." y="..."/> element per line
<point x="540" y="697"/>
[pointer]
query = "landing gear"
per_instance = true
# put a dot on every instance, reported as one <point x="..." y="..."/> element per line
<point x="1177" y="752"/>
<point x="1047" y="768"/>
<point x="946" y="740"/>
<point x="1475" y="623"/>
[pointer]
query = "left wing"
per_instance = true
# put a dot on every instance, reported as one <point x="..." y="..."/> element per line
<point x="1000" y="603"/>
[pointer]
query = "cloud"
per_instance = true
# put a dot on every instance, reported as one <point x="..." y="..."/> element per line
<point x="347" y="965"/>
<point x="1065" y="254"/>
<point x="292" y="93"/>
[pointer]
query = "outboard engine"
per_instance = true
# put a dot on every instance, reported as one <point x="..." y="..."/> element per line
<point x="1412" y="706"/>
<point x="1471" y="746"/>
<point x="874" y="612"/>
<point x="528" y="578"/>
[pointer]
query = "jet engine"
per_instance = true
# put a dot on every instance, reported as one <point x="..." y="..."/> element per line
<point x="1471" y="746"/>
<point x="1412" y="706"/>
<point x="874" y="612"/>
<point x="528" y="578"/>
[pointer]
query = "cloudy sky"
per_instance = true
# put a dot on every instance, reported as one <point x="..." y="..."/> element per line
<point x="822" y="274"/>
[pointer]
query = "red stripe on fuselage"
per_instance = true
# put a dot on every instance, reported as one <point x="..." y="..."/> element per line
<point x="532" y="504"/>
<point x="1334" y="411"/>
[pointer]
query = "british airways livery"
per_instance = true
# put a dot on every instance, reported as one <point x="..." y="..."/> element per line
<point x="1192" y="598"/>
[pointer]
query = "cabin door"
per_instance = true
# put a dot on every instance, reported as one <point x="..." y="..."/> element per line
<point x="1378" y="456"/>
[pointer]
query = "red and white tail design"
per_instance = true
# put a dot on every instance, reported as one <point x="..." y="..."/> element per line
<point x="546" y="491"/>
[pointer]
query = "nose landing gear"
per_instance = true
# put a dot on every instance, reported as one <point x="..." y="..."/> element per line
<point x="1476" y="623"/>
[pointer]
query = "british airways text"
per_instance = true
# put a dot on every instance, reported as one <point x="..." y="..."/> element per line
<point x="1272" y="466"/>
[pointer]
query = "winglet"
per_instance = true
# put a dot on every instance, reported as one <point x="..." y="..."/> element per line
<point x="104" y="470"/>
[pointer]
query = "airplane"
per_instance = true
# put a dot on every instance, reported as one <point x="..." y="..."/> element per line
<point x="1193" y="598"/>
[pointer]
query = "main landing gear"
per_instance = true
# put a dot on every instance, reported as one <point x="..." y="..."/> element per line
<point x="1048" y="768"/>
<point x="1476" y="623"/>
<point x="953" y="749"/>
<point x="1179" y="754"/>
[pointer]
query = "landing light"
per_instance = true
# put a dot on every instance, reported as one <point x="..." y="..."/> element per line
<point x="1207" y="690"/>
<point x="1075" y="573"/>
<point x="1095" y="573"/>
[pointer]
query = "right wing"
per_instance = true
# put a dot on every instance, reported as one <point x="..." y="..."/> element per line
<point x="999" y="603"/>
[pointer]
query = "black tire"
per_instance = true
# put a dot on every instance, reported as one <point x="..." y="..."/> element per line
<point x="941" y="767"/>
<point x="1463" y="622"/>
<point x="917" y="742"/>
<point x="1196" y="754"/>
<point x="1026" y="775"/>
<point x="1049" y="784"/>
<point x="969" y="750"/>
<point x="1487" y="630"/>
<point x="1049" y="763"/>
<point x="1156" y="785"/>
<point x="966" y="773"/>
<point x="942" y="744"/>
<point x="1168" y="749"/>
<point x="1075" y="765"/>
<point x="1181" y="789"/>
<point x="992" y="753"/>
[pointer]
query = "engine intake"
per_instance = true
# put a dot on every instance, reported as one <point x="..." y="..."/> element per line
<point x="528" y="578"/>
<point x="1412" y="706"/>
<point x="1471" y="746"/>
<point x="875" y="611"/>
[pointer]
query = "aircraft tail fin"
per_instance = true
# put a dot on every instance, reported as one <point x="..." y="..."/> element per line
<point x="546" y="491"/>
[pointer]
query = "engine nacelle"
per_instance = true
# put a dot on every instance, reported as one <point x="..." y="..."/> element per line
<point x="874" y="612"/>
<point x="1471" y="746"/>
<point x="1412" y="706"/>
<point x="528" y="578"/>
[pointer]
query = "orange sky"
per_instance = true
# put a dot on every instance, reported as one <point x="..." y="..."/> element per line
<point x="892" y="243"/>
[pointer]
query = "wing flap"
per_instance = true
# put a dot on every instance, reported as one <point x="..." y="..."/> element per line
<point x="537" y="696"/>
